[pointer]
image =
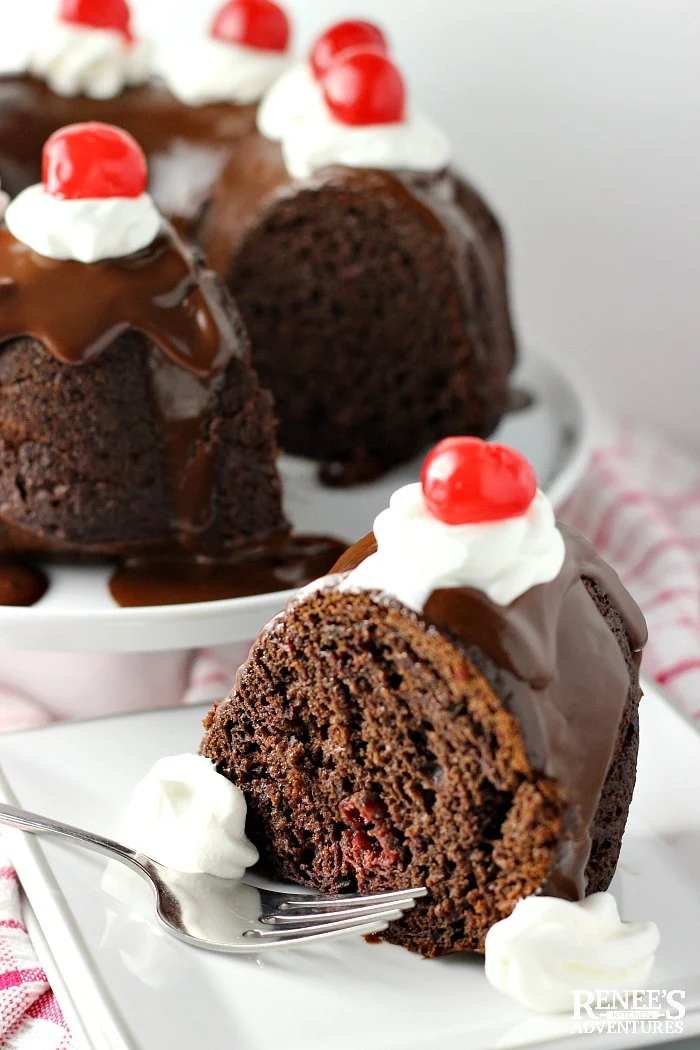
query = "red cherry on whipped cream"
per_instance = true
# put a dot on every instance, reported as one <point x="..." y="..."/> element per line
<point x="364" y="88"/>
<point x="93" y="161"/>
<point x="466" y="480"/>
<point x="259" y="24"/>
<point x="344" y="36"/>
<point x="98" y="14"/>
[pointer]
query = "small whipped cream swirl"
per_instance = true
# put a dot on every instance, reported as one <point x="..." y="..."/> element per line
<point x="417" y="553"/>
<point x="294" y="113"/>
<point x="85" y="230"/>
<point x="187" y="816"/>
<point x="291" y="98"/>
<point x="316" y="140"/>
<point x="207" y="71"/>
<point x="548" y="947"/>
<point x="15" y="45"/>
<point x="82" y="60"/>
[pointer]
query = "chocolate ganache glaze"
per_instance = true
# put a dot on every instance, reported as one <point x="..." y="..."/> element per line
<point x="21" y="584"/>
<point x="564" y="671"/>
<point x="278" y="565"/>
<point x="186" y="147"/>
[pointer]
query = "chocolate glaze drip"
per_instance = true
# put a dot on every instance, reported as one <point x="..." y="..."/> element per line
<point x="186" y="146"/>
<point x="441" y="195"/>
<point x="76" y="310"/>
<point x="279" y="565"/>
<point x="563" y="671"/>
<point x="21" y="584"/>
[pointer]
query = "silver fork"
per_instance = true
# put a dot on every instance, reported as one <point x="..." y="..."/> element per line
<point x="226" y="916"/>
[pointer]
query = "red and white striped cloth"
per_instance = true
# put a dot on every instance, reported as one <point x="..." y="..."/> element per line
<point x="30" y="1017"/>
<point x="639" y="504"/>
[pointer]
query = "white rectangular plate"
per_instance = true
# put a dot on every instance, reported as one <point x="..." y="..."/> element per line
<point x="135" y="987"/>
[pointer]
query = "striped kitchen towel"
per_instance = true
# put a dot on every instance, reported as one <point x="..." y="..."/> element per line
<point x="30" y="1017"/>
<point x="639" y="505"/>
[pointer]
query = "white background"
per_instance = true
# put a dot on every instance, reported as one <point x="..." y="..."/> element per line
<point x="581" y="120"/>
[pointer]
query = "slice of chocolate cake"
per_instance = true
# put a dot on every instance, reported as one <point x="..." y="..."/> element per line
<point x="456" y="706"/>
<point x="131" y="419"/>
<point x="370" y="276"/>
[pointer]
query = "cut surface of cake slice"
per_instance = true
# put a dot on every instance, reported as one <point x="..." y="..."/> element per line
<point x="371" y="278"/>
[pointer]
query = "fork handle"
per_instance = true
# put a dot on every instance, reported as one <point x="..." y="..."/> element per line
<point x="33" y="822"/>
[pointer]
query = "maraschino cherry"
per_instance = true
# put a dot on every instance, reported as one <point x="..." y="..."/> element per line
<point x="364" y="88"/>
<point x="98" y="14"/>
<point x="345" y="36"/>
<point x="466" y="480"/>
<point x="93" y="161"/>
<point x="260" y="24"/>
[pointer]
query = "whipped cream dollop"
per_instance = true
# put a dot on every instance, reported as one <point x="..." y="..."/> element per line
<point x="187" y="816"/>
<point x="207" y="70"/>
<point x="86" y="230"/>
<point x="417" y="553"/>
<point x="315" y="139"/>
<point x="548" y="948"/>
<point x="82" y="60"/>
<point x="291" y="98"/>
<point x="15" y="45"/>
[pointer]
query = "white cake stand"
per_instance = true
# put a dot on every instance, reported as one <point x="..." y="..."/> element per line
<point x="78" y="613"/>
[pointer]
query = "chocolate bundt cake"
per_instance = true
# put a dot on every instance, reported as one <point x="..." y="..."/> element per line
<point x="456" y="706"/>
<point x="370" y="276"/>
<point x="85" y="64"/>
<point x="131" y="420"/>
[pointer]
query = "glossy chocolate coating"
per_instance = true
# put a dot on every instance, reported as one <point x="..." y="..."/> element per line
<point x="277" y="565"/>
<point x="21" y="584"/>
